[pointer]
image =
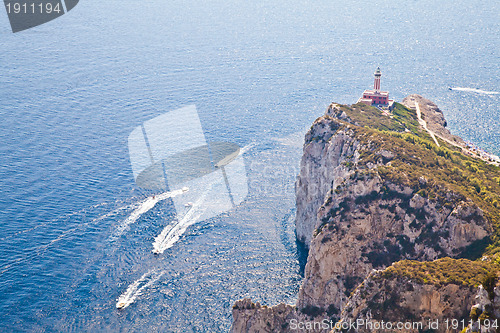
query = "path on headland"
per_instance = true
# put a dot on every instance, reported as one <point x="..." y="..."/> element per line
<point x="433" y="135"/>
<point x="424" y="124"/>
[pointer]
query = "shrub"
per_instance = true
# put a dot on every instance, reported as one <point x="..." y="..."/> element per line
<point x="312" y="310"/>
<point x="489" y="283"/>
<point x="475" y="313"/>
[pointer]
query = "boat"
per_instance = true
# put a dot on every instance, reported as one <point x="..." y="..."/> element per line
<point x="120" y="305"/>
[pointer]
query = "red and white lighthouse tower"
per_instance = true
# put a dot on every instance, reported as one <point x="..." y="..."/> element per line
<point x="376" y="84"/>
<point x="376" y="97"/>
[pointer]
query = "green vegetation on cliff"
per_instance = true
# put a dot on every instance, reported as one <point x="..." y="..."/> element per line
<point x="441" y="272"/>
<point x="368" y="116"/>
<point x="430" y="170"/>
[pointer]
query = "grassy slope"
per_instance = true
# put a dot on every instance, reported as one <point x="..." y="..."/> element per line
<point x="440" y="272"/>
<point x="443" y="167"/>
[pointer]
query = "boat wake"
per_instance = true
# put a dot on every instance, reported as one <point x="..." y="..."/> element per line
<point x="135" y="289"/>
<point x="247" y="148"/>
<point x="479" y="91"/>
<point x="171" y="233"/>
<point x="142" y="208"/>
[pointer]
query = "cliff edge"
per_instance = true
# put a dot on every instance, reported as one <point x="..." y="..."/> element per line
<point x="376" y="196"/>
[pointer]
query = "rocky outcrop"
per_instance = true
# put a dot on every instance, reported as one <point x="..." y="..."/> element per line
<point x="358" y="213"/>
<point x="398" y="301"/>
<point x="485" y="313"/>
<point x="371" y="223"/>
<point x="356" y="220"/>
<point x="253" y="318"/>
<point x="329" y="150"/>
<point x="434" y="117"/>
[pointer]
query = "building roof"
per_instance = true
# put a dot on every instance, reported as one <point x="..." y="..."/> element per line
<point x="375" y="92"/>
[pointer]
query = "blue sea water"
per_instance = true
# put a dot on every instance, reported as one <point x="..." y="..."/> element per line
<point x="259" y="73"/>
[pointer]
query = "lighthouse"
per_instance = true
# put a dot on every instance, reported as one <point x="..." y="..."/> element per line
<point x="376" y="97"/>
<point x="378" y="75"/>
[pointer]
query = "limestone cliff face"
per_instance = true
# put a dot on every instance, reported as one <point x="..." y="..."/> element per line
<point x="358" y="213"/>
<point x="487" y="306"/>
<point x="323" y="165"/>
<point x="395" y="300"/>
<point x="368" y="227"/>
<point x="252" y="317"/>
<point x="283" y="318"/>
<point x="357" y="221"/>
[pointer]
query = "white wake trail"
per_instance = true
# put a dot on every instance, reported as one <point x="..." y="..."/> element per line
<point x="143" y="208"/>
<point x="171" y="233"/>
<point x="247" y="148"/>
<point x="135" y="289"/>
<point x="479" y="91"/>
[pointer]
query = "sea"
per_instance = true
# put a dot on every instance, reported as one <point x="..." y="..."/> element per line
<point x="77" y="232"/>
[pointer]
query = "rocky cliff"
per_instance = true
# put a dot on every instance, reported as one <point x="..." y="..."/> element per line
<point x="374" y="190"/>
<point x="414" y="296"/>
<point x="434" y="117"/>
<point x="485" y="312"/>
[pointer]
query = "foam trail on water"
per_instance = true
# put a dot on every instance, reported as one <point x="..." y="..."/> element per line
<point x="142" y="208"/>
<point x="247" y="148"/>
<point x="135" y="289"/>
<point x="479" y="91"/>
<point x="171" y="233"/>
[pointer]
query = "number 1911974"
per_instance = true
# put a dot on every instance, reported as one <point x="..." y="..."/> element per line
<point x="39" y="8"/>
